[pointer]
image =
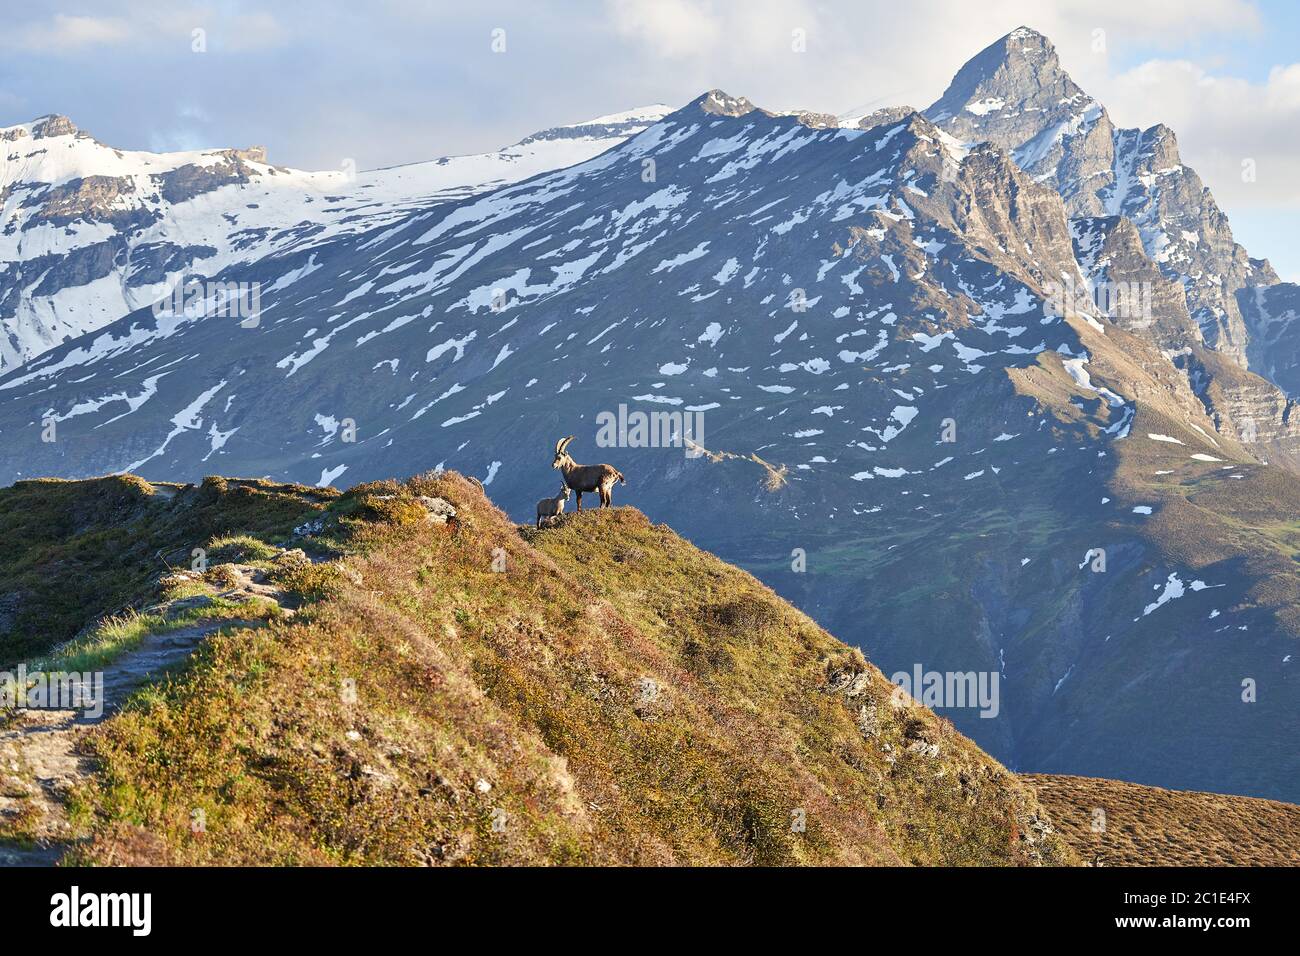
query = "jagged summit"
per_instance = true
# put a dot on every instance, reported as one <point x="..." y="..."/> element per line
<point x="53" y="125"/>
<point x="42" y="127"/>
<point x="722" y="103"/>
<point x="1015" y="94"/>
<point x="1019" y="75"/>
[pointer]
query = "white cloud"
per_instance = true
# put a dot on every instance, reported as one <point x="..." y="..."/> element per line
<point x="1222" y="122"/>
<point x="671" y="28"/>
<point x="63" y="33"/>
<point x="146" y="27"/>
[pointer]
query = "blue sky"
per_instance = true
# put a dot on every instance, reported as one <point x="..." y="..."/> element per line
<point x="393" y="81"/>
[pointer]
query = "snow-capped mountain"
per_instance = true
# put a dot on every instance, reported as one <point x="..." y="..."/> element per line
<point x="1016" y="95"/>
<point x="903" y="429"/>
<point x="89" y="233"/>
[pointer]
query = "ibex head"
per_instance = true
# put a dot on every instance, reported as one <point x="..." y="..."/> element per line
<point x="562" y="457"/>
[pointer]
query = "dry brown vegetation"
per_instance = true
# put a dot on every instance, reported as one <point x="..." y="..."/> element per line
<point x="72" y="552"/>
<point x="1149" y="826"/>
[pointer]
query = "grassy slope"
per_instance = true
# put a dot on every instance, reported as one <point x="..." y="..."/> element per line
<point x="1148" y="826"/>
<point x="613" y="695"/>
<point x="73" y="551"/>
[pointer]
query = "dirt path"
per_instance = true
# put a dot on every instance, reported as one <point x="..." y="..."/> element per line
<point x="40" y="758"/>
<point x="40" y="747"/>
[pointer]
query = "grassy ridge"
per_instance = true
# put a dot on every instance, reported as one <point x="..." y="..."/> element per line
<point x="602" y="692"/>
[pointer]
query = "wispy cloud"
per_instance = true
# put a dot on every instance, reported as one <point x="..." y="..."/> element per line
<point x="62" y="33"/>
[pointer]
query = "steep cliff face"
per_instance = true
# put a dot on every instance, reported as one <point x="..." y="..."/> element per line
<point x="1274" y="351"/>
<point x="1242" y="404"/>
<point x="1016" y="94"/>
<point x="1127" y="287"/>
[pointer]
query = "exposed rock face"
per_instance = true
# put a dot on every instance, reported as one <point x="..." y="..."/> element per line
<point x="53" y="125"/>
<point x="186" y="182"/>
<point x="1273" y="313"/>
<point x="89" y="199"/>
<point x="1012" y="93"/>
<point x="1244" y="406"/>
<point x="253" y="154"/>
<point x="889" y="114"/>
<point x="1013" y="218"/>
<point x="815" y="120"/>
<point x="721" y="104"/>
<point x="1185" y="232"/>
<point x="1127" y="287"/>
<point x="1015" y="94"/>
<point x="151" y="263"/>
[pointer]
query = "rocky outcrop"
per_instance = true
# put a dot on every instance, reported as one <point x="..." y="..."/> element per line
<point x="1272" y="314"/>
<point x="1126" y="286"/>
<point x="187" y="182"/>
<point x="723" y="104"/>
<point x="1244" y="405"/>
<point x="890" y="114"/>
<point x="88" y="199"/>
<point x="54" y="125"/>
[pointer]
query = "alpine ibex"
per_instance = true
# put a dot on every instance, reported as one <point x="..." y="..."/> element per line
<point x="580" y="478"/>
<point x="552" y="507"/>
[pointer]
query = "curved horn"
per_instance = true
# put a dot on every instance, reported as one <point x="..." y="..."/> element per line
<point x="562" y="444"/>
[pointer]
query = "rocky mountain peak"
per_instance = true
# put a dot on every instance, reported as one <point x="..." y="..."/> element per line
<point x="888" y="114"/>
<point x="1162" y="146"/>
<point x="252" y="154"/>
<point x="1017" y="76"/>
<point x="53" y="125"/>
<point x="724" y="104"/>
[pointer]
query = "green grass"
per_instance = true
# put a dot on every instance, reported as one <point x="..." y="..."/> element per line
<point x="614" y="696"/>
<point x="117" y="635"/>
<point x="73" y="552"/>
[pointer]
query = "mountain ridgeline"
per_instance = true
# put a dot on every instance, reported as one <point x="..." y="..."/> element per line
<point x="912" y="427"/>
<point x="91" y="232"/>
